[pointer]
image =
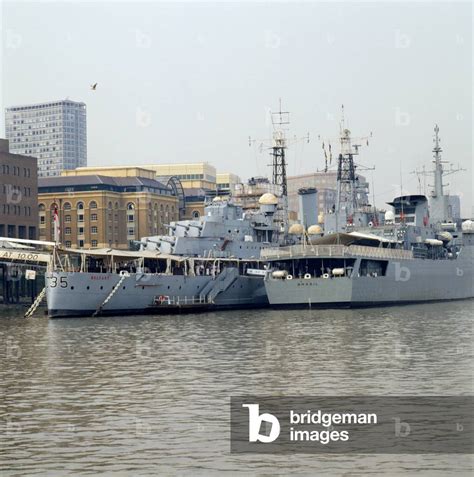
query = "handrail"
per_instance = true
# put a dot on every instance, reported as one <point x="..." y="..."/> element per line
<point x="296" y="251"/>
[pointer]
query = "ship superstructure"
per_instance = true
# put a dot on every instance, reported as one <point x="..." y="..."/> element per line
<point x="406" y="257"/>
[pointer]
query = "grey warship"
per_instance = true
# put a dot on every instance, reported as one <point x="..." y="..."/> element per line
<point x="207" y="263"/>
<point x="414" y="253"/>
<point x="212" y="262"/>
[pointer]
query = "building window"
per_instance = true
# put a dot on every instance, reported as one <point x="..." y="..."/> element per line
<point x="94" y="217"/>
<point x="94" y="243"/>
<point x="80" y="206"/>
<point x="67" y="206"/>
<point x="67" y="231"/>
<point x="131" y="231"/>
<point x="93" y="205"/>
<point x="93" y="230"/>
<point x="196" y="214"/>
<point x="130" y="217"/>
<point x="81" y="243"/>
<point x="68" y="243"/>
<point x="80" y="231"/>
<point x="42" y="219"/>
<point x="80" y="218"/>
<point x="67" y="218"/>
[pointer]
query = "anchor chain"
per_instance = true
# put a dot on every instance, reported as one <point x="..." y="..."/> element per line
<point x="124" y="275"/>
<point x="36" y="303"/>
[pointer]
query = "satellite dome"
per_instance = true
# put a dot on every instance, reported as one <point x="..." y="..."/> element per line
<point x="468" y="227"/>
<point x="268" y="199"/>
<point x="315" y="230"/>
<point x="389" y="216"/>
<point x="296" y="229"/>
<point x="321" y="218"/>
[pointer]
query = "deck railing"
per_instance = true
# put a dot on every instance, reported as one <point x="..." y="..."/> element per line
<point x="315" y="251"/>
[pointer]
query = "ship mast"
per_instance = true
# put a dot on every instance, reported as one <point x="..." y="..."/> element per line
<point x="278" y="146"/>
<point x="439" y="200"/>
<point x="278" y="150"/>
<point x="347" y="182"/>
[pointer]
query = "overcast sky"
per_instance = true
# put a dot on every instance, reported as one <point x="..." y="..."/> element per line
<point x="190" y="82"/>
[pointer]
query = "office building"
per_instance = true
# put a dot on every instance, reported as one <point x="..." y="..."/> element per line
<point x="18" y="194"/>
<point x="97" y="211"/>
<point x="226" y="182"/>
<point x="200" y="175"/>
<point x="53" y="132"/>
<point x="325" y="183"/>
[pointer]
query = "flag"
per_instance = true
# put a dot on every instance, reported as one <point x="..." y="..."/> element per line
<point x="57" y="230"/>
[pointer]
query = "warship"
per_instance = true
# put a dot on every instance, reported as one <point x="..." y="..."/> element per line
<point x="211" y="262"/>
<point x="415" y="252"/>
<point x="206" y="263"/>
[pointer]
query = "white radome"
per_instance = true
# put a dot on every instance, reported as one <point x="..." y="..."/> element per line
<point x="468" y="227"/>
<point x="315" y="230"/>
<point x="389" y="216"/>
<point x="268" y="199"/>
<point x="296" y="229"/>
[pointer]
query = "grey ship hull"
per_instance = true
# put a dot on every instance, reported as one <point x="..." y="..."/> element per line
<point x="73" y="294"/>
<point x="406" y="281"/>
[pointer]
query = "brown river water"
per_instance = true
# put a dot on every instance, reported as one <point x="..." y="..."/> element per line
<point x="149" y="395"/>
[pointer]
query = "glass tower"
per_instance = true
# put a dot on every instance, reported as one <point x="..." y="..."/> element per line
<point x="53" y="132"/>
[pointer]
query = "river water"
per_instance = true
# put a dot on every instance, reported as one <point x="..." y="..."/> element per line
<point x="149" y="395"/>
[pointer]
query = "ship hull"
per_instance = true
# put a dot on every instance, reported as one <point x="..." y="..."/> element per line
<point x="73" y="294"/>
<point x="406" y="281"/>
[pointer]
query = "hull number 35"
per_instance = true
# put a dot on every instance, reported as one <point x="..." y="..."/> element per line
<point x="54" y="282"/>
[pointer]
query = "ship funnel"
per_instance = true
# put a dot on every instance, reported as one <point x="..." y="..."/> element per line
<point x="308" y="205"/>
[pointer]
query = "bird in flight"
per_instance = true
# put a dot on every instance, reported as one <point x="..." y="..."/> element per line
<point x="94" y="86"/>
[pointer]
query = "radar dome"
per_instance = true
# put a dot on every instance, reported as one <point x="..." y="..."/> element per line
<point x="315" y="230"/>
<point x="468" y="227"/>
<point x="268" y="199"/>
<point x="389" y="216"/>
<point x="321" y="218"/>
<point x="296" y="229"/>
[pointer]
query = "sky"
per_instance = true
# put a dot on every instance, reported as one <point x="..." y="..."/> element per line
<point x="191" y="81"/>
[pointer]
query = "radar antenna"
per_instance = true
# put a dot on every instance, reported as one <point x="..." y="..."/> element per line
<point x="438" y="198"/>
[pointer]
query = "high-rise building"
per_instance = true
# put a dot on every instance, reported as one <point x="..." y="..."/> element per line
<point x="53" y="132"/>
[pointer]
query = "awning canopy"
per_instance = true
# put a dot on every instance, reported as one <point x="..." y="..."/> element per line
<point x="352" y="238"/>
<point x="110" y="252"/>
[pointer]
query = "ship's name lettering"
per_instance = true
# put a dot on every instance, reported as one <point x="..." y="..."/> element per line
<point x="305" y="284"/>
<point x="99" y="277"/>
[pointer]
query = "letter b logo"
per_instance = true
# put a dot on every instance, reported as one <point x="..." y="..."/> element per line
<point x="255" y="421"/>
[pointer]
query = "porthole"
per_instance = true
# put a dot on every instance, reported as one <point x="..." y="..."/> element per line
<point x="72" y="287"/>
<point x="123" y="288"/>
<point x="88" y="287"/>
<point x="101" y="287"/>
